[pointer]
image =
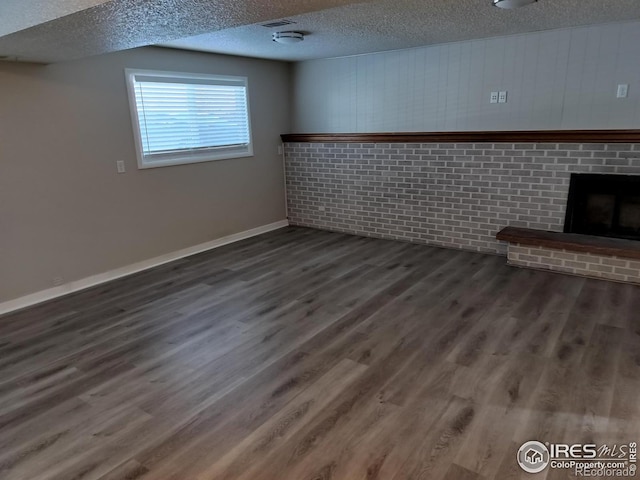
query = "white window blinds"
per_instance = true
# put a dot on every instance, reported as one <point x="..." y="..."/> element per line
<point x="182" y="118"/>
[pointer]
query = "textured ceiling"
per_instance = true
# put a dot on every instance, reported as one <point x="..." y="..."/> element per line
<point x="334" y="27"/>
<point x="20" y="14"/>
<point x="123" y="24"/>
<point x="395" y="24"/>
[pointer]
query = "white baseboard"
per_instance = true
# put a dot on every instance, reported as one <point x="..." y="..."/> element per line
<point x="75" y="286"/>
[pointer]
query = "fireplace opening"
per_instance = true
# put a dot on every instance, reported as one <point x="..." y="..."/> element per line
<point x="604" y="205"/>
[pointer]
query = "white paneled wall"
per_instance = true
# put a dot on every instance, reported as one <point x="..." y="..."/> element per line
<point x="561" y="79"/>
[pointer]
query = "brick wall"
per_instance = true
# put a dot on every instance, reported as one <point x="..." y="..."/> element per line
<point x="452" y="195"/>
<point x="583" y="264"/>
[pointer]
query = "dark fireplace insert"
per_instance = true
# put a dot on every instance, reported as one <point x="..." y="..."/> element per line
<point x="604" y="205"/>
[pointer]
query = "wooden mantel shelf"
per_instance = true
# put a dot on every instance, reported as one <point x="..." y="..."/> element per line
<point x="513" y="136"/>
<point x="571" y="241"/>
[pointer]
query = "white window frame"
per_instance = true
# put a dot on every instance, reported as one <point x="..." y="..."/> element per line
<point x="186" y="156"/>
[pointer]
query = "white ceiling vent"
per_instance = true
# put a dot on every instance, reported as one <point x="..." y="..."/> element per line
<point x="278" y="23"/>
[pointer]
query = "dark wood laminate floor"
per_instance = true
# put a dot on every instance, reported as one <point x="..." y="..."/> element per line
<point x="303" y="354"/>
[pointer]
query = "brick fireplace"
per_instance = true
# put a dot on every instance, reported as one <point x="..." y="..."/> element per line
<point x="453" y="194"/>
<point x="604" y="205"/>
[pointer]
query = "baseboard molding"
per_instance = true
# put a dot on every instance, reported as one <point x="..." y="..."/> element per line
<point x="92" y="281"/>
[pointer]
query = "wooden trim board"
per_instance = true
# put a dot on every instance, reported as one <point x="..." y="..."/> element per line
<point x="574" y="242"/>
<point x="523" y="136"/>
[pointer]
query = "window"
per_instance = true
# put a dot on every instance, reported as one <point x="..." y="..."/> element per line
<point x="188" y="118"/>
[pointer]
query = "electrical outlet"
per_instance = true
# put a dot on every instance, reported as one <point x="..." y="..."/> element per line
<point x="57" y="281"/>
<point x="120" y="166"/>
<point x="321" y="209"/>
<point x="494" y="97"/>
<point x="623" y="90"/>
<point x="279" y="149"/>
<point x="502" y="97"/>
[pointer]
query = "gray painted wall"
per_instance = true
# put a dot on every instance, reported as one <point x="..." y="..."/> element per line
<point x="562" y="79"/>
<point x="65" y="212"/>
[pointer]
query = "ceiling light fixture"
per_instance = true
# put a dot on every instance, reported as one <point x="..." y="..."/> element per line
<point x="512" y="3"/>
<point x="287" y="37"/>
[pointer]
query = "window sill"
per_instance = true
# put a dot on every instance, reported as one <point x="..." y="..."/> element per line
<point x="185" y="160"/>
